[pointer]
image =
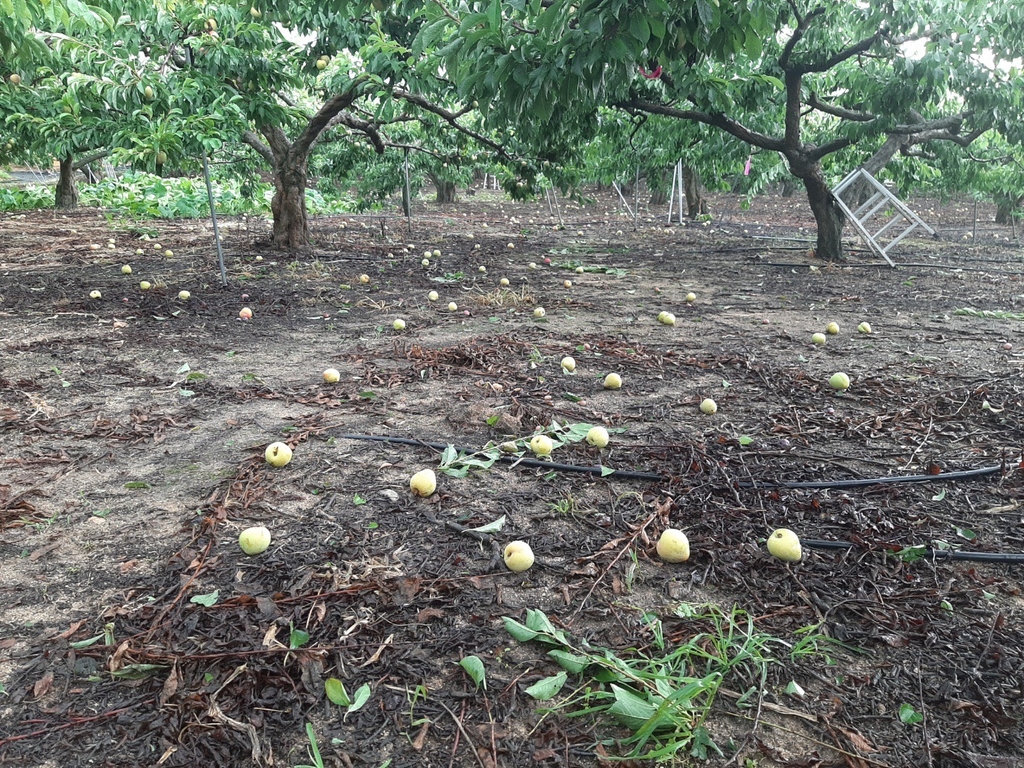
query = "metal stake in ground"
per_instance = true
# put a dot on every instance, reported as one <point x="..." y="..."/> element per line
<point x="213" y="218"/>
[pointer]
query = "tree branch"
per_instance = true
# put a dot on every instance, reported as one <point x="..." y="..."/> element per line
<point x="451" y="118"/>
<point x="816" y="153"/>
<point x="317" y="124"/>
<point x="837" y="111"/>
<point x="802" y="23"/>
<point x="89" y="159"/>
<point x="261" y="149"/>
<point x="717" y="120"/>
<point x="366" y="127"/>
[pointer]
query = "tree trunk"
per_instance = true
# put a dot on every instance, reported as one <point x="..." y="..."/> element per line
<point x="696" y="205"/>
<point x="67" y="188"/>
<point x="657" y="182"/>
<point x="827" y="215"/>
<point x="1005" y="207"/>
<point x="445" y="190"/>
<point x="291" y="222"/>
<point x="857" y="194"/>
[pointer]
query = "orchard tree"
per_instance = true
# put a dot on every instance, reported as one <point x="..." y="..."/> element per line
<point x="803" y="82"/>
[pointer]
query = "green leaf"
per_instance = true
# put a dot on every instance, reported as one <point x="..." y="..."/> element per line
<point x="206" y="600"/>
<point x="909" y="715"/>
<point x="520" y="632"/>
<point x="745" y="440"/>
<point x="135" y="485"/>
<point x="86" y="643"/>
<point x="185" y="368"/>
<point x="492" y="527"/>
<point x="966" y="533"/>
<point x="362" y="696"/>
<point x="298" y="638"/>
<point x="358" y="500"/>
<point x="548" y="687"/>
<point x="186" y="393"/>
<point x="940" y="495"/>
<point x="336" y="692"/>
<point x="474" y="667"/>
<point x="572" y="662"/>
<point x="632" y="710"/>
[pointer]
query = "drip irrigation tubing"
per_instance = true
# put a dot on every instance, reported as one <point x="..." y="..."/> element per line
<point x="926" y="552"/>
<point x="621" y="474"/>
<point x="888" y="480"/>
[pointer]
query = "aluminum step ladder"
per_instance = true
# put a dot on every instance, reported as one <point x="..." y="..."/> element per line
<point x="881" y="199"/>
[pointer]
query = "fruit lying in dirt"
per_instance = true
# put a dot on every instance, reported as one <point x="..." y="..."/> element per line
<point x="423" y="483"/>
<point x="597" y="437"/>
<point x="539" y="312"/>
<point x="579" y="270"/>
<point x="184" y="295"/>
<point x="673" y="546"/>
<point x="432" y="296"/>
<point x="612" y="381"/>
<point x="245" y="313"/>
<point x="255" y="540"/>
<point x="452" y="306"/>
<point x="818" y="338"/>
<point x="518" y="556"/>
<point x="533" y="265"/>
<point x="541" y="445"/>
<point x="399" y="324"/>
<point x="567" y="283"/>
<point x="332" y="376"/>
<point x="839" y="381"/>
<point x="785" y="545"/>
<point x="481" y="268"/>
<point x="511" y="246"/>
<point x="691" y="297"/>
<point x="832" y="328"/>
<point x="503" y="282"/>
<point x="278" y="454"/>
<point x="95" y="295"/>
<point x="168" y="253"/>
<point x="667" y="318"/>
<point x="126" y="270"/>
<point x="864" y="327"/>
<point x="364" y="278"/>
<point x="425" y="262"/>
<point x="568" y="364"/>
<point x="145" y="285"/>
<point x="508" y="447"/>
<point x="708" y="406"/>
<point x="436" y="253"/>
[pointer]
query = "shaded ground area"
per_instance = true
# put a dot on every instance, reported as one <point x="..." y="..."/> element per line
<point x="134" y="631"/>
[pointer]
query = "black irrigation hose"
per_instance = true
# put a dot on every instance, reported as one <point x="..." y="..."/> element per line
<point x="960" y="475"/>
<point x="938" y="554"/>
<point x="926" y="552"/>
<point x="598" y="470"/>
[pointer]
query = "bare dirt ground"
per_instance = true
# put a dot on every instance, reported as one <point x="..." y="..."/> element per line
<point x="132" y="428"/>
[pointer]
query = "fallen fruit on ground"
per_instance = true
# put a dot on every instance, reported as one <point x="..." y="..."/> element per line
<point x="539" y="312"/>
<point x="423" y="483"/>
<point x="254" y="540"/>
<point x="612" y="381"/>
<point x="126" y="270"/>
<point x="673" y="546"/>
<point x="452" y="306"/>
<point x="399" y="324"/>
<point x="691" y="297"/>
<point x="597" y="437"/>
<point x="541" y="445"/>
<point x="708" y="406"/>
<point x="818" y="338"/>
<point x="839" y="381"/>
<point x="145" y="285"/>
<point x="95" y="295"/>
<point x="364" y="278"/>
<point x="832" y="328"/>
<point x="579" y="270"/>
<point x="508" y="447"/>
<point x="425" y="262"/>
<point x="168" y="253"/>
<point x="278" y="454"/>
<point x="568" y="364"/>
<point x="503" y="282"/>
<point x="332" y="376"/>
<point x="785" y="545"/>
<point x="667" y="318"/>
<point x="518" y="556"/>
<point x="245" y="313"/>
<point x="864" y="327"/>
<point x="432" y="296"/>
<point x="567" y="283"/>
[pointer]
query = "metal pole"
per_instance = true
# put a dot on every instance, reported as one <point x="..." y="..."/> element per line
<point x="636" y="199"/>
<point x="407" y="195"/>
<point x="679" y="171"/>
<point x="213" y="218"/>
